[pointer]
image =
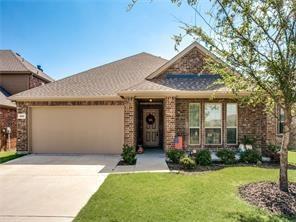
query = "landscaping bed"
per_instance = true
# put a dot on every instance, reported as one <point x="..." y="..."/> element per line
<point x="267" y="195"/>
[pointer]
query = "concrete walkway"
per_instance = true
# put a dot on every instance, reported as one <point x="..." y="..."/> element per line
<point x="151" y="161"/>
<point x="50" y="188"/>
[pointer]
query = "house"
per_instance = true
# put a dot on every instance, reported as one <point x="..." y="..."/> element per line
<point x="16" y="75"/>
<point x="139" y="100"/>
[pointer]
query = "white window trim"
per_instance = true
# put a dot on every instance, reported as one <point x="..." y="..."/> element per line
<point x="232" y="127"/>
<point x="221" y="116"/>
<point x="199" y="136"/>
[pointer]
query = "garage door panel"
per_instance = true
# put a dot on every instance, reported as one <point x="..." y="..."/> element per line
<point x="92" y="129"/>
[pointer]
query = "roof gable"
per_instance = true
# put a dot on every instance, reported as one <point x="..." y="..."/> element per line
<point x="11" y="62"/>
<point x="190" y="60"/>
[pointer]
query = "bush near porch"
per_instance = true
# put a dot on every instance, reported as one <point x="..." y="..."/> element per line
<point x="206" y="197"/>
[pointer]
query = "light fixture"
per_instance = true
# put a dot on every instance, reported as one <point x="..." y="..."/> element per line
<point x="150" y="100"/>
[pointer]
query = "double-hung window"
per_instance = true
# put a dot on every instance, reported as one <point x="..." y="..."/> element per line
<point x="231" y="123"/>
<point x="213" y="123"/>
<point x="281" y="121"/>
<point x="194" y="123"/>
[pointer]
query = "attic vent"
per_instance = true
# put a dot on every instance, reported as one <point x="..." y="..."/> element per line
<point x="39" y="67"/>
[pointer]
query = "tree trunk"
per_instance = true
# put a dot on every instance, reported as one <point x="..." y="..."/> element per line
<point x="284" y="152"/>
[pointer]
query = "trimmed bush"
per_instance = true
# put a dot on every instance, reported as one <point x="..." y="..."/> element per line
<point x="175" y="155"/>
<point x="250" y="156"/>
<point x="273" y="151"/>
<point x="187" y="163"/>
<point x="203" y="158"/>
<point x="227" y="156"/>
<point x="129" y="154"/>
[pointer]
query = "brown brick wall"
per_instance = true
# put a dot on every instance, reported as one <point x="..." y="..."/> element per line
<point x="251" y="122"/>
<point x="23" y="107"/>
<point x="192" y="62"/>
<point x="8" y="119"/>
<point x="35" y="82"/>
<point x="169" y="122"/>
<point x="130" y="117"/>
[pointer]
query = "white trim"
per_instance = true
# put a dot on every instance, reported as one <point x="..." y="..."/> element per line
<point x="199" y="127"/>
<point x="221" y="128"/>
<point x="231" y="127"/>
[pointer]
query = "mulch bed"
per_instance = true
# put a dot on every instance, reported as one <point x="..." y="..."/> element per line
<point x="122" y="163"/>
<point x="267" y="195"/>
<point x="219" y="166"/>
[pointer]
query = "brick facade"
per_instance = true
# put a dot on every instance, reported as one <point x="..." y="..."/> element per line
<point x="35" y="82"/>
<point x="8" y="119"/>
<point x="130" y="116"/>
<point x="23" y="124"/>
<point x="251" y="123"/>
<point x="169" y="122"/>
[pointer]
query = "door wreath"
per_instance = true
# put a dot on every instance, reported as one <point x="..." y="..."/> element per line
<point x="150" y="119"/>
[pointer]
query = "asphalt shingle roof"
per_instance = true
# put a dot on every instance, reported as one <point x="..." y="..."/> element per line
<point x="11" y="62"/>
<point x="105" y="80"/>
<point x="3" y="99"/>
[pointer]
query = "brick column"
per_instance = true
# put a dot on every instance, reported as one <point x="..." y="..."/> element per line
<point x="130" y="121"/>
<point x="22" y="129"/>
<point x="169" y="122"/>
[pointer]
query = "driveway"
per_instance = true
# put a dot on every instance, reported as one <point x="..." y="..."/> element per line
<point x="50" y="188"/>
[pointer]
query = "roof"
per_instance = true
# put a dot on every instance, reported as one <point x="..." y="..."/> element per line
<point x="100" y="82"/>
<point x="11" y="62"/>
<point x="4" y="101"/>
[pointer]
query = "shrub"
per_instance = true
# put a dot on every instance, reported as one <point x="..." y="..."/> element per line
<point x="227" y="156"/>
<point x="175" y="155"/>
<point x="250" y="156"/>
<point x="129" y="154"/>
<point x="203" y="158"/>
<point x="273" y="152"/>
<point x="187" y="163"/>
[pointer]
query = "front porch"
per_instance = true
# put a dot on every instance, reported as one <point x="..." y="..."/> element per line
<point x="150" y="122"/>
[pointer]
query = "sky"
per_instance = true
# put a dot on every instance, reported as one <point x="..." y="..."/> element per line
<point x="69" y="36"/>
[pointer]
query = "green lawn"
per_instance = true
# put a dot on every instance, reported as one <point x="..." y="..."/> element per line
<point x="206" y="197"/>
<point x="8" y="155"/>
<point x="292" y="157"/>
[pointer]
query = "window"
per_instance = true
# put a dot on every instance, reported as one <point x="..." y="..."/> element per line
<point x="231" y="123"/>
<point x="213" y="123"/>
<point x="281" y="121"/>
<point x="194" y="113"/>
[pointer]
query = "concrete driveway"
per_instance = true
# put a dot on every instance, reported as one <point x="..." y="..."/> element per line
<point x="50" y="188"/>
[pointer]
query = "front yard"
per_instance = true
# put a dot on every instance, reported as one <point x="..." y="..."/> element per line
<point x="8" y="155"/>
<point x="292" y="157"/>
<point x="210" y="196"/>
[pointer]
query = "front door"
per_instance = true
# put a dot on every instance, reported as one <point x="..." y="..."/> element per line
<point x="151" y="127"/>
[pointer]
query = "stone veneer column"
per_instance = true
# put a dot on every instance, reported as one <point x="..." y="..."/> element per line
<point x="169" y="122"/>
<point x="22" y="129"/>
<point x="130" y="121"/>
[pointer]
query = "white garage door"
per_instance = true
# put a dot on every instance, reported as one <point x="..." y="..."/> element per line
<point x="85" y="129"/>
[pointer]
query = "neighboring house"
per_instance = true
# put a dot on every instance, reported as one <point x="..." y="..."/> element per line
<point x="142" y="99"/>
<point x="16" y="75"/>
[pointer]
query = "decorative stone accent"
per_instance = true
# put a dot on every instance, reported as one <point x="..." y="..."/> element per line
<point x="23" y="126"/>
<point x="169" y="122"/>
<point x="130" y="121"/>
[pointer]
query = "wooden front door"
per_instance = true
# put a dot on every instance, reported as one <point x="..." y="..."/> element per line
<point x="151" y="127"/>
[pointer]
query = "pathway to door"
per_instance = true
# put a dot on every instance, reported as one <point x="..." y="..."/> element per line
<point x="153" y="160"/>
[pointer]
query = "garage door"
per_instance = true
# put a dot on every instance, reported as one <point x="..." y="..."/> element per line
<point x="86" y="129"/>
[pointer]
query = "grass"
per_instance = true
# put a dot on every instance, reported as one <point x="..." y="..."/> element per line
<point x="292" y="157"/>
<point x="206" y="197"/>
<point x="8" y="155"/>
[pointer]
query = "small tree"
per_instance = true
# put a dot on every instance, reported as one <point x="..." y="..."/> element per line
<point x="257" y="41"/>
